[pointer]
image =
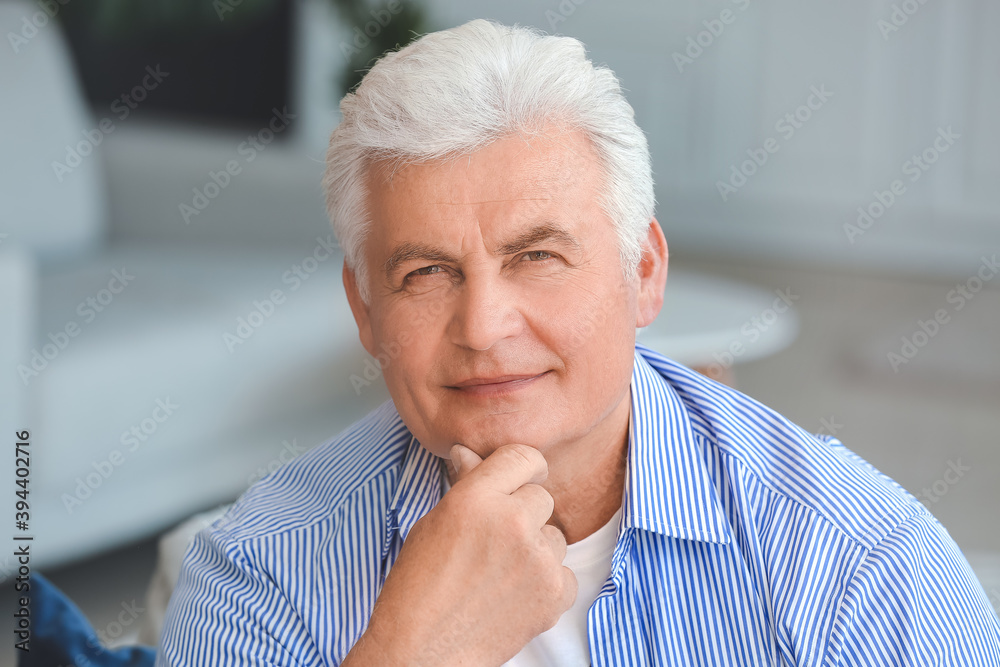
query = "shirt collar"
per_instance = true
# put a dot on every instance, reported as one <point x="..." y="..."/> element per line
<point x="668" y="486"/>
<point x="419" y="489"/>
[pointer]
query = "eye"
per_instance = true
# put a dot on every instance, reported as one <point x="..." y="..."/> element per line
<point x="534" y="254"/>
<point x="426" y="270"/>
<point x="431" y="270"/>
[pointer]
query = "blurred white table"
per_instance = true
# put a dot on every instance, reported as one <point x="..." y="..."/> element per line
<point x="711" y="323"/>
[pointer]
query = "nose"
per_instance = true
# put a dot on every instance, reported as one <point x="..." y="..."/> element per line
<point x="485" y="312"/>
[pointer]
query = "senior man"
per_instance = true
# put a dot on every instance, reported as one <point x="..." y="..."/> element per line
<point x="541" y="490"/>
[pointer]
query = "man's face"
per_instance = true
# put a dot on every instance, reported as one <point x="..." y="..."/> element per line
<point x="501" y="263"/>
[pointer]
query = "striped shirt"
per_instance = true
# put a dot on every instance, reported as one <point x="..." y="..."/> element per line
<point x="743" y="540"/>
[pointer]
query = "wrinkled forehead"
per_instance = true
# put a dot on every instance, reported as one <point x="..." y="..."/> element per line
<point x="521" y="162"/>
<point x="503" y="189"/>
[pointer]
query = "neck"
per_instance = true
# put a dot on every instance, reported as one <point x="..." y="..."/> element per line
<point x="587" y="478"/>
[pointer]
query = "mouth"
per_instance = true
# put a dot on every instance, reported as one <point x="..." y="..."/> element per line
<point x="496" y="386"/>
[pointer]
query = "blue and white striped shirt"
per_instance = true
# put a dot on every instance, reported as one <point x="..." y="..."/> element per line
<point x="743" y="540"/>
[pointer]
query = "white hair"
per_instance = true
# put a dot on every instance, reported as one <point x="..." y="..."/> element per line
<point x="456" y="91"/>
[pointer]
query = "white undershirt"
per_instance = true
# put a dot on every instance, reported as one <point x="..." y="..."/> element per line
<point x="566" y="644"/>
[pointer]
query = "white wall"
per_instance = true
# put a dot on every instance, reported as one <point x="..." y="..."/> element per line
<point x="890" y="94"/>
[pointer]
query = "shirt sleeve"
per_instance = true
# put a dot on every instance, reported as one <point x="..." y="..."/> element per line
<point x="915" y="601"/>
<point x="226" y="611"/>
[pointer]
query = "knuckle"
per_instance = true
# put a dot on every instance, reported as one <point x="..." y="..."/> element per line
<point x="519" y="525"/>
<point x="542" y="494"/>
<point x="571" y="590"/>
<point x="554" y="593"/>
<point x="552" y="582"/>
<point x="523" y="455"/>
<point x="554" y="534"/>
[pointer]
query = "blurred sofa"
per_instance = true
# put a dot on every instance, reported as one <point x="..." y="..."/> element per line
<point x="160" y="367"/>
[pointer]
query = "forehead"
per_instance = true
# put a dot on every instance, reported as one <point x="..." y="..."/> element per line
<point x="514" y="174"/>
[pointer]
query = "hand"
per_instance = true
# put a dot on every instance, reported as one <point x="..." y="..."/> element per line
<point x="478" y="576"/>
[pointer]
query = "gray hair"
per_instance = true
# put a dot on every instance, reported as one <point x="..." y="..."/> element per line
<point x="456" y="91"/>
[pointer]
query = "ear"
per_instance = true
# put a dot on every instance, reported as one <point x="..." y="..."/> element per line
<point x="360" y="310"/>
<point x="652" y="275"/>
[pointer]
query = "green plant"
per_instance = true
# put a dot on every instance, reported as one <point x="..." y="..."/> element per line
<point x="403" y="26"/>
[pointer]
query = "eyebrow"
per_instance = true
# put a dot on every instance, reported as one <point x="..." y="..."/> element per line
<point x="410" y="250"/>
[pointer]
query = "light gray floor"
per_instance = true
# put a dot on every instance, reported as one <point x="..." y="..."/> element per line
<point x="941" y="409"/>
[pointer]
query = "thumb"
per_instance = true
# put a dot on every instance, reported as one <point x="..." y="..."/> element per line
<point x="464" y="460"/>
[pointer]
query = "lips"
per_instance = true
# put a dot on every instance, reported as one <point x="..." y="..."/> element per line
<point x="477" y="381"/>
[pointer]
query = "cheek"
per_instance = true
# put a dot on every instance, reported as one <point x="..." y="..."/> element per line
<point x="400" y="325"/>
<point x="594" y="337"/>
<point x="406" y="337"/>
<point x="584" y="322"/>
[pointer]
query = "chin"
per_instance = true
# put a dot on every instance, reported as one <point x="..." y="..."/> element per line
<point x="488" y="441"/>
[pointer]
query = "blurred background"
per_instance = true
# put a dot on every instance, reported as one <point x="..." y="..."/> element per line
<point x="172" y="317"/>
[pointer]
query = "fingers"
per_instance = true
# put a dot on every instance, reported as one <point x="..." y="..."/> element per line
<point x="570" y="588"/>
<point x="506" y="469"/>
<point x="464" y="460"/>
<point x="536" y="501"/>
<point x="556" y="540"/>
